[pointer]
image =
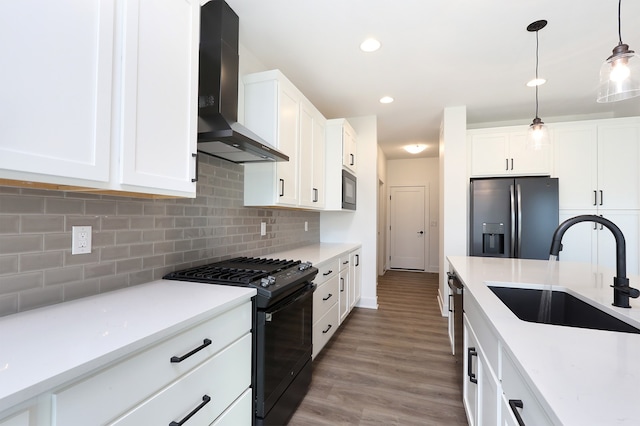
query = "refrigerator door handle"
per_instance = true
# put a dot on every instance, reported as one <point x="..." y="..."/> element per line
<point x="519" y="221"/>
<point x="512" y="248"/>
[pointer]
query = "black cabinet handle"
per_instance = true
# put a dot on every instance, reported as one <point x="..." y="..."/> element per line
<point x="450" y="296"/>
<point x="195" y="156"/>
<point x="471" y="352"/>
<point x="345" y="262"/>
<point x="328" y="297"/>
<point x="353" y="159"/>
<point x="327" y="330"/>
<point x="595" y="197"/>
<point x="205" y="343"/>
<point x="506" y="164"/>
<point x="315" y="195"/>
<point x="205" y="401"/>
<point x="357" y="260"/>
<point x="341" y="285"/>
<point x="601" y="197"/>
<point x="512" y="164"/>
<point x="329" y="272"/>
<point x="515" y="404"/>
<point x="281" y="187"/>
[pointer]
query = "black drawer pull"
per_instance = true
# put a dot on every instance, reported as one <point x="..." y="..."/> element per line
<point x="205" y="343"/>
<point x="205" y="401"/>
<point x="515" y="404"/>
<point x="328" y="297"/>
<point x="471" y="352"/>
<point x="329" y="272"/>
<point x="327" y="330"/>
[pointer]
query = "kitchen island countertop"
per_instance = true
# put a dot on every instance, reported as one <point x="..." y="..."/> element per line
<point x="580" y="376"/>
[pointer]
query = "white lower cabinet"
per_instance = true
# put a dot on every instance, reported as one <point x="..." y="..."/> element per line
<point x="519" y="405"/>
<point x="326" y="316"/>
<point x="494" y="391"/>
<point x="481" y="386"/>
<point x="344" y="293"/>
<point x="201" y="395"/>
<point x="338" y="290"/>
<point x="199" y="372"/>
<point x="355" y="277"/>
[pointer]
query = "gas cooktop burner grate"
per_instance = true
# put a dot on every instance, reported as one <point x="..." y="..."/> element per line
<point x="239" y="270"/>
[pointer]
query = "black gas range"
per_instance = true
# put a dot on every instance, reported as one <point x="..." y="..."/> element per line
<point x="274" y="279"/>
<point x="282" y="327"/>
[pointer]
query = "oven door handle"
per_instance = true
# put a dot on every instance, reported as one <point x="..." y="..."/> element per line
<point x="309" y="291"/>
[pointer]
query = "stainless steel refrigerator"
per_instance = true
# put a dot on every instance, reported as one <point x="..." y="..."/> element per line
<point x="513" y="217"/>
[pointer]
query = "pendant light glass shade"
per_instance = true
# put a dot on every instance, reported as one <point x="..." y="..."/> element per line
<point x="620" y="73"/>
<point x="537" y="135"/>
<point x="619" y="76"/>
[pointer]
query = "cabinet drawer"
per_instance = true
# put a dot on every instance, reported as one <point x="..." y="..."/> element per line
<point x="483" y="330"/>
<point x="240" y="412"/>
<point x="325" y="297"/>
<point x="323" y="330"/>
<point x="327" y="270"/>
<point x="515" y="388"/>
<point x="129" y="382"/>
<point x="344" y="261"/>
<point x="222" y="378"/>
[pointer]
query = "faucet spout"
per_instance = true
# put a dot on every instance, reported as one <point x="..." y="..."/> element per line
<point x="621" y="289"/>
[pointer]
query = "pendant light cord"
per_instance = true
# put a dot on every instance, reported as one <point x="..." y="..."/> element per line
<point x="619" y="29"/>
<point x="537" y="82"/>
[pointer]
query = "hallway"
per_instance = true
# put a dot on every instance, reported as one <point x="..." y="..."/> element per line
<point x="391" y="366"/>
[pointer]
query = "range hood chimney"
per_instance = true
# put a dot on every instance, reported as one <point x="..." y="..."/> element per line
<point x="219" y="133"/>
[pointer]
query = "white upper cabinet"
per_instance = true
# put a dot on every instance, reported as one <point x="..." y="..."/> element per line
<point x="597" y="164"/>
<point x="56" y="92"/>
<point x="502" y="151"/>
<point x="312" y="157"/>
<point x="102" y="96"/>
<point x="278" y="112"/>
<point x="158" y="94"/>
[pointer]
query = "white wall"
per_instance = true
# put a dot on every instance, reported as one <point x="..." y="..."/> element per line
<point x="454" y="184"/>
<point x="382" y="212"/>
<point x="420" y="172"/>
<point x="361" y="225"/>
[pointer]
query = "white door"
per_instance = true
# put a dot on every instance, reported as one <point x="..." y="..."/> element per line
<point x="408" y="231"/>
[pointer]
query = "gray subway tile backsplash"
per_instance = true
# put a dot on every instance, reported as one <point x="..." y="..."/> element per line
<point x="134" y="241"/>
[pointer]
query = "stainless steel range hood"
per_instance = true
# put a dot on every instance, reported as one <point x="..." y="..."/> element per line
<point x="219" y="133"/>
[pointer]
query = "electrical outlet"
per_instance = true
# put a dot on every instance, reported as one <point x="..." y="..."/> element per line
<point x="263" y="228"/>
<point x="80" y="239"/>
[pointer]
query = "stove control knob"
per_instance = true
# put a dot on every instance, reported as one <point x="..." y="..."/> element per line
<point x="304" y="266"/>
<point x="267" y="281"/>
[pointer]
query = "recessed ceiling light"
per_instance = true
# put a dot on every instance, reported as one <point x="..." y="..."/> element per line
<point x="370" y="45"/>
<point x="536" y="82"/>
<point x="386" y="100"/>
<point x="415" y="149"/>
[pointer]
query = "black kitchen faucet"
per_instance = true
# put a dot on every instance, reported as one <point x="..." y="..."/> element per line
<point x="621" y="289"/>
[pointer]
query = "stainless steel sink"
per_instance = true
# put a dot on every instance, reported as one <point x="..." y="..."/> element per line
<point x="563" y="309"/>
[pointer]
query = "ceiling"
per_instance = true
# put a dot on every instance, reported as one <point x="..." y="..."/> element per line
<point x="437" y="54"/>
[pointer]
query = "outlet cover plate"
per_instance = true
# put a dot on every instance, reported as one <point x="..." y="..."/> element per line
<point x="80" y="239"/>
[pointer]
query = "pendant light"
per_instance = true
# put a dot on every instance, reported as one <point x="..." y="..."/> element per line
<point x="537" y="135"/>
<point x="620" y="72"/>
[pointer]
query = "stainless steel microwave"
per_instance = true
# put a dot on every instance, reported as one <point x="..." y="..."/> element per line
<point x="349" y="186"/>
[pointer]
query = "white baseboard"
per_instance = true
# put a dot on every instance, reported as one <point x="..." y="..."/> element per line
<point x="368" y="302"/>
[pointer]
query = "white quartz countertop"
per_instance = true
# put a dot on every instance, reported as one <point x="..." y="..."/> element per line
<point x="581" y="376"/>
<point x="315" y="253"/>
<point x="47" y="347"/>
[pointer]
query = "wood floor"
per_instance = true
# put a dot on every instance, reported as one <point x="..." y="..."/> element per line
<point x="391" y="366"/>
